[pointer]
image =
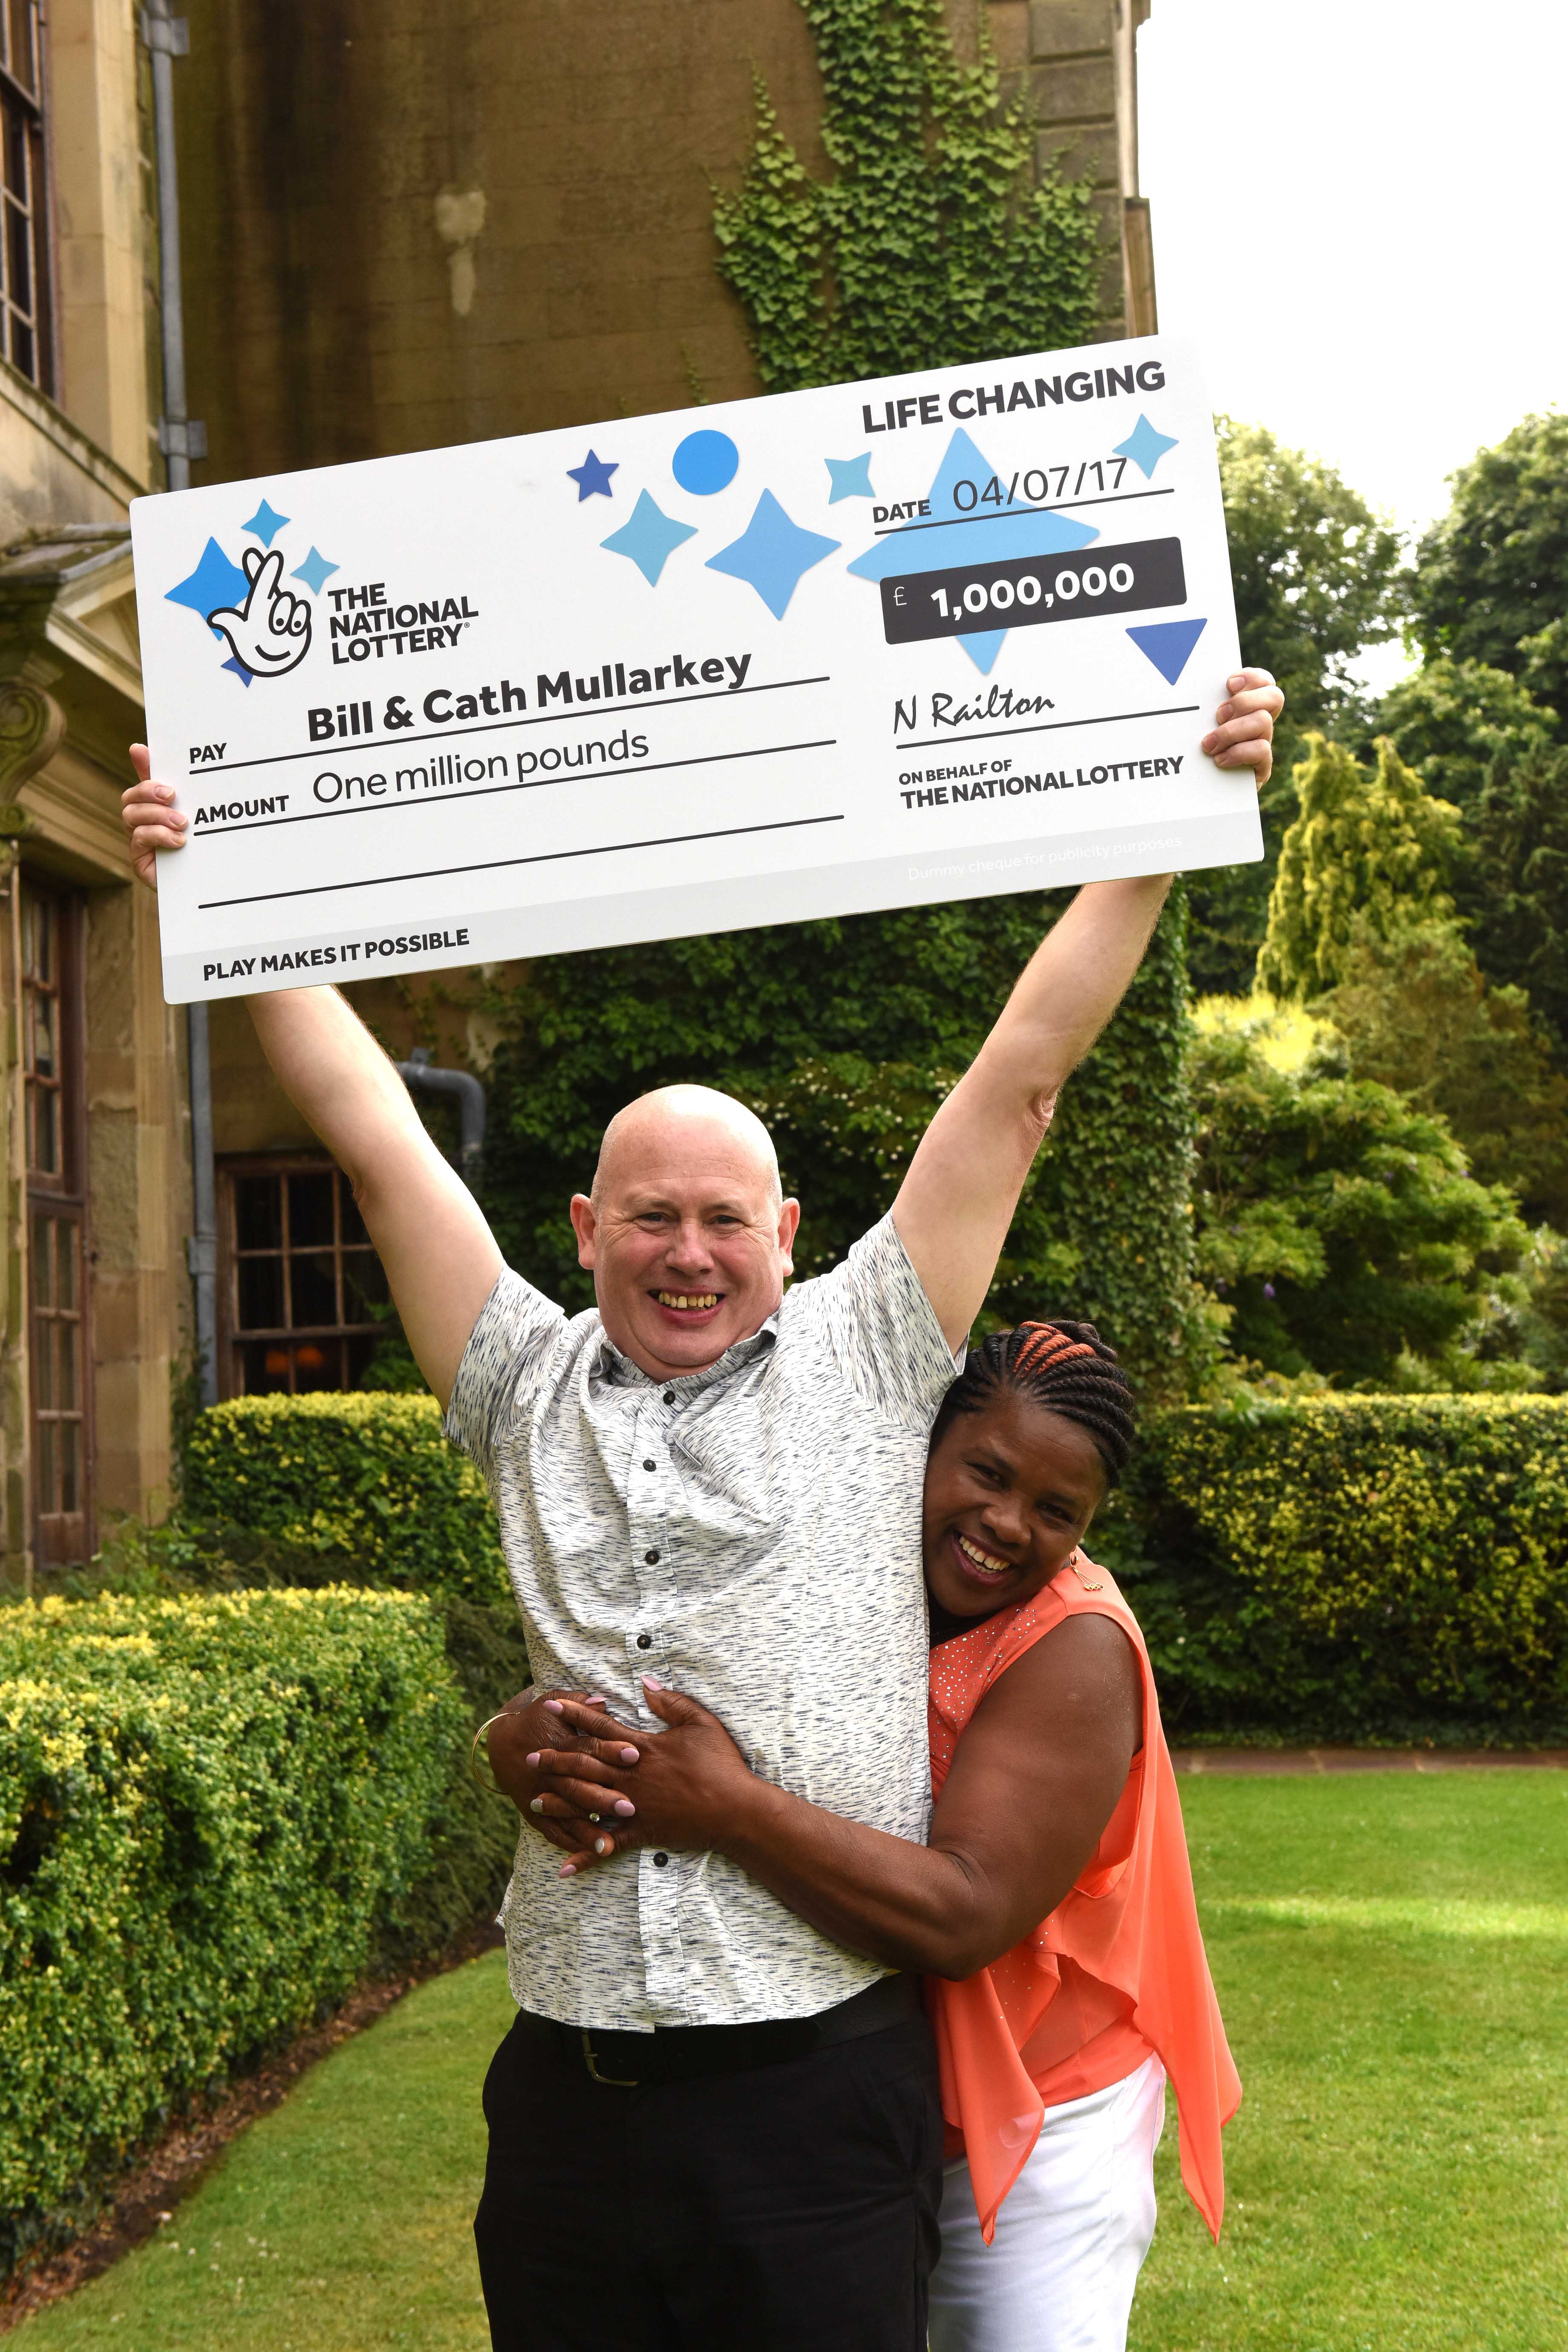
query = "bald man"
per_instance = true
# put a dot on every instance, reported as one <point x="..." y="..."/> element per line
<point x="710" y="2126"/>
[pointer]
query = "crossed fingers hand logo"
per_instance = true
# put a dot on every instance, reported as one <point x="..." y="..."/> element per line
<point x="269" y="634"/>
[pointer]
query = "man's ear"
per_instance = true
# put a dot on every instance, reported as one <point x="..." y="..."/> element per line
<point x="789" y="1226"/>
<point x="585" y="1226"/>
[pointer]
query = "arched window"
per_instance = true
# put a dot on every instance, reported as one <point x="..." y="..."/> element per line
<point x="299" y="1282"/>
<point x="24" y="335"/>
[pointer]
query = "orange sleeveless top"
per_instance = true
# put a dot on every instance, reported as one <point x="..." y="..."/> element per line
<point x="1117" y="1970"/>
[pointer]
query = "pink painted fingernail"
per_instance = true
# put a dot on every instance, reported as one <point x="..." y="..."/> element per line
<point x="536" y="1805"/>
<point x="628" y="1756"/>
<point x="553" y="1706"/>
<point x="533" y="1758"/>
<point x="601" y="1846"/>
<point x="651" y="1682"/>
<point x="623" y="1806"/>
<point x="567" y="1870"/>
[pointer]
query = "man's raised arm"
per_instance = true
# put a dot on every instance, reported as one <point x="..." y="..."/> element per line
<point x="954" y="1206"/>
<point x="440" y="1256"/>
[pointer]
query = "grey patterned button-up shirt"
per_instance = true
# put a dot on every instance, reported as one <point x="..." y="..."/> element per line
<point x="751" y="1534"/>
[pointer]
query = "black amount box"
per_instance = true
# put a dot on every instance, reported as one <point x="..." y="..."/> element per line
<point x="1017" y="592"/>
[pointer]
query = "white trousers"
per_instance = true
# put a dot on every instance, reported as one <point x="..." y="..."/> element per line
<point x="1071" y="2238"/>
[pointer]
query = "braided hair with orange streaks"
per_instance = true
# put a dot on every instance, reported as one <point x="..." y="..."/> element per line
<point x="1067" y="1368"/>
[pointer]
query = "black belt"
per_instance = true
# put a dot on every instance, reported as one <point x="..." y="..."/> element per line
<point x="679" y="2053"/>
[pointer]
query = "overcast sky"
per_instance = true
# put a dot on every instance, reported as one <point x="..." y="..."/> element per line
<point x="1358" y="207"/>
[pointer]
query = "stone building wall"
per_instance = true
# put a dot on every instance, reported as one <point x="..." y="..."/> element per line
<point x="407" y="226"/>
<point x="71" y="458"/>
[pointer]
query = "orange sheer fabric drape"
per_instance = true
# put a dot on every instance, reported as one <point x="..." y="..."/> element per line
<point x="1123" y="1950"/>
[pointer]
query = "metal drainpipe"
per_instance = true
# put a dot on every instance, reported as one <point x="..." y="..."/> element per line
<point x="421" y="1077"/>
<point x="181" y="438"/>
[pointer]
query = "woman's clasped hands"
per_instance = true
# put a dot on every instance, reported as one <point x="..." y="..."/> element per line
<point x="684" y="1789"/>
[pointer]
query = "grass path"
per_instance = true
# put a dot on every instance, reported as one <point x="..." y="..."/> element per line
<point x="1391" y="1955"/>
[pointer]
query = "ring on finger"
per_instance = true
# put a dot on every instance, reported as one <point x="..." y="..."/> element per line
<point x="593" y="1817"/>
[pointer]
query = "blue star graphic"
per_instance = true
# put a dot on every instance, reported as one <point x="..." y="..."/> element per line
<point x="965" y="537"/>
<point x="264" y="524"/>
<point x="593" y="478"/>
<point x="650" y="539"/>
<point x="238" y="668"/>
<point x="851" y="478"/>
<point x="771" y="554"/>
<point x="315" y="571"/>
<point x="214" y="584"/>
<point x="1145" y="447"/>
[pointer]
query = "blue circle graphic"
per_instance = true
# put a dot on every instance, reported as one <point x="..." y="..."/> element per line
<point x="705" y="462"/>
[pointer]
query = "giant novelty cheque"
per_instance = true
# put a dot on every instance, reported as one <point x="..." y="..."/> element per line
<point x="933" y="637"/>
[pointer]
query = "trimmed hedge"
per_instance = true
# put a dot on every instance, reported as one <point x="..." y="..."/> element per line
<point x="1356" y="1567"/>
<point x="210" y="1808"/>
<point x="1323" y="1568"/>
<point x="367" y="1478"/>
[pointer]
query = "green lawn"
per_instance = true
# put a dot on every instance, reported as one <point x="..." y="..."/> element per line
<point x="1391" y="1957"/>
<point x="1392" y="1953"/>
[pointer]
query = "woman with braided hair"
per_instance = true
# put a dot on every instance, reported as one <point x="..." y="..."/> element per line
<point x="1051" y="1911"/>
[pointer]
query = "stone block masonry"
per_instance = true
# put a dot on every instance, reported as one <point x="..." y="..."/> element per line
<point x="1079" y="60"/>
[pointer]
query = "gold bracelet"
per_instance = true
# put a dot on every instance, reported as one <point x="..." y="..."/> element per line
<point x="491" y="1787"/>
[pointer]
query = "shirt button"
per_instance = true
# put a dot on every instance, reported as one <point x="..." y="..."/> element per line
<point x="651" y="1558"/>
<point x="645" y="1641"/>
<point x="659" y="1859"/>
<point x="650" y="1463"/>
<point x="669" y="1396"/>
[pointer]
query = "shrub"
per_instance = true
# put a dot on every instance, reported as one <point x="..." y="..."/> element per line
<point x="1355" y="1567"/>
<point x="474" y="1841"/>
<point x="211" y="1808"/>
<point x="366" y="1480"/>
<point x="1336" y="1221"/>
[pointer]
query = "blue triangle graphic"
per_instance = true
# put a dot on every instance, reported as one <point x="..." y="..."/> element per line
<point x="1168" y="644"/>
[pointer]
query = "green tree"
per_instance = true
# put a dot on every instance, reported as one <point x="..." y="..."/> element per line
<point x="1452" y="720"/>
<point x="1490" y="581"/>
<point x="933" y="243"/>
<point x="1513" y="886"/>
<point x="1317" y="578"/>
<point x="1316" y="572"/>
<point x="844" y="1035"/>
<point x="1535" y="1328"/>
<point x="1418" y="1017"/>
<point x="1337" y="1223"/>
<point x="1378" y="847"/>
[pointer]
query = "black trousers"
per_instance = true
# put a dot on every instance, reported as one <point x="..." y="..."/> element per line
<point x="789" y="2208"/>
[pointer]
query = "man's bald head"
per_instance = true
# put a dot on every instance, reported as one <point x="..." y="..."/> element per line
<point x="672" y="1121"/>
<point x="687" y="1232"/>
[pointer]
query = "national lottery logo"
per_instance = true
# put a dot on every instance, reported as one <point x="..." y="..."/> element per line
<point x="264" y="625"/>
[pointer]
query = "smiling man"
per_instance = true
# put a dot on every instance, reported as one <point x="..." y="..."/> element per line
<point x="709" y="1481"/>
